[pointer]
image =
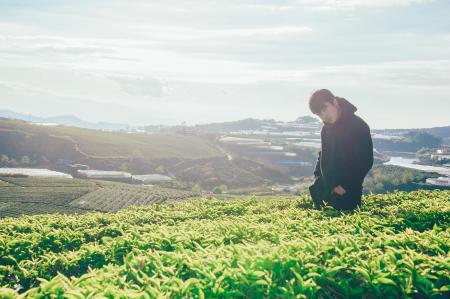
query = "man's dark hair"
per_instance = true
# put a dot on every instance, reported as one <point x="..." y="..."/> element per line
<point x="318" y="99"/>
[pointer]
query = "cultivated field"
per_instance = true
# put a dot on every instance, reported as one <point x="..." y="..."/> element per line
<point x="396" y="246"/>
<point x="38" y="195"/>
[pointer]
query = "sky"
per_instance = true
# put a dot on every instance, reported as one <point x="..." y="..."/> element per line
<point x="167" y="62"/>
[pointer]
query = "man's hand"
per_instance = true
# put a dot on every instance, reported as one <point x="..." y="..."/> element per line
<point x="316" y="177"/>
<point x="339" y="190"/>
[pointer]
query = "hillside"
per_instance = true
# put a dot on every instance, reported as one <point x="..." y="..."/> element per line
<point x="67" y="120"/>
<point x="396" y="246"/>
<point x="137" y="153"/>
<point x="237" y="173"/>
<point x="103" y="144"/>
<point x="252" y="124"/>
<point x="233" y="126"/>
<point x="443" y="132"/>
<point x="192" y="158"/>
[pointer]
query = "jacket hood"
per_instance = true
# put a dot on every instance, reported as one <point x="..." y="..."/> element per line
<point x="347" y="110"/>
<point x="346" y="107"/>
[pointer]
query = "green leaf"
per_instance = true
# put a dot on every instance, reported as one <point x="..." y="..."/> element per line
<point x="384" y="280"/>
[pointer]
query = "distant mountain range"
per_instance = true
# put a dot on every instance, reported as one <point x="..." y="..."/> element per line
<point x="253" y="124"/>
<point x="74" y="121"/>
<point x="66" y="120"/>
<point x="219" y="127"/>
<point x="443" y="132"/>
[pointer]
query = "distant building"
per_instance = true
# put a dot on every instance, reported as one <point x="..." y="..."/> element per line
<point x="33" y="172"/>
<point x="65" y="162"/>
<point x="242" y="141"/>
<point x="70" y="166"/>
<point x="440" y="181"/>
<point x="150" y="178"/>
<point x="273" y="154"/>
<point x="444" y="150"/>
<point x="386" y="137"/>
<point x="293" y="163"/>
<point x="440" y="157"/>
<point x="270" y="147"/>
<point x="281" y="189"/>
<point x="80" y="166"/>
<point x="117" y="176"/>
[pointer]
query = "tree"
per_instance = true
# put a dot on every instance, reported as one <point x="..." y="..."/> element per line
<point x="25" y="160"/>
<point x="13" y="163"/>
<point x="4" y="160"/>
<point x="160" y="169"/>
<point x="223" y="188"/>
<point x="123" y="167"/>
<point x="217" y="190"/>
<point x="424" y="139"/>
<point x="379" y="187"/>
<point x="43" y="160"/>
<point x="423" y="154"/>
<point x="196" y="188"/>
<point x="306" y="119"/>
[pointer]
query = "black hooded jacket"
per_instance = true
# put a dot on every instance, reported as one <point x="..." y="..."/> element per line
<point x="347" y="151"/>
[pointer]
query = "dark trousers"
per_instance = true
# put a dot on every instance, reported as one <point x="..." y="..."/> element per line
<point x="350" y="200"/>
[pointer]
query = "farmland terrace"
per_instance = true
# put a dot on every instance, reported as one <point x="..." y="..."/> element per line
<point x="40" y="195"/>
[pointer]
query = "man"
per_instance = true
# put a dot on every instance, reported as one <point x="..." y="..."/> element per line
<point x="346" y="155"/>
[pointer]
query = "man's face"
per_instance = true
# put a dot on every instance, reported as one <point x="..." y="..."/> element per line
<point x="330" y="112"/>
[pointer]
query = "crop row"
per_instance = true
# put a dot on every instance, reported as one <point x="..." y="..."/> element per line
<point x="395" y="246"/>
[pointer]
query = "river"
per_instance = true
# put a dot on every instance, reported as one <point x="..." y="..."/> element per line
<point x="408" y="163"/>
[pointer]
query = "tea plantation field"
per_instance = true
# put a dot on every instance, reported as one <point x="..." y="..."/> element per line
<point x="40" y="195"/>
<point x="396" y="246"/>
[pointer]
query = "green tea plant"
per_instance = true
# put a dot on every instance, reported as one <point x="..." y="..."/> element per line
<point x="395" y="246"/>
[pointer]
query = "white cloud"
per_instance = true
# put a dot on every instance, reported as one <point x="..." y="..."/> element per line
<point x="234" y="32"/>
<point x="140" y="86"/>
<point x="32" y="91"/>
<point x="275" y="5"/>
<point x="344" y="5"/>
<point x="202" y="60"/>
<point x="397" y="73"/>
<point x="268" y="7"/>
